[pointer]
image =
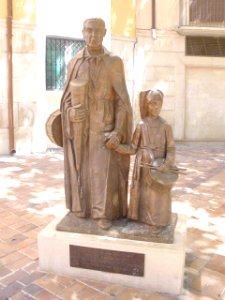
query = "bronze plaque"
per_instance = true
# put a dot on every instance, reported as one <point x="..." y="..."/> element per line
<point x="111" y="261"/>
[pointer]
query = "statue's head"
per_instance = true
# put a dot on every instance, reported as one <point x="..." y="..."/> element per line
<point x="93" y="32"/>
<point x="151" y="103"/>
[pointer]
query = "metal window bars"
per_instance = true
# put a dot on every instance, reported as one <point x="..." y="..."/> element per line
<point x="58" y="53"/>
<point x="203" y="13"/>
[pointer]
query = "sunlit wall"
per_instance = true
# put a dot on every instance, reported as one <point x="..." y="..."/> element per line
<point x="23" y="10"/>
<point x="123" y="18"/>
<point x="24" y="74"/>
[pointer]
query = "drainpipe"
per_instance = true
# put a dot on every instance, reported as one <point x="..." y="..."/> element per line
<point x="154" y="34"/>
<point x="10" y="76"/>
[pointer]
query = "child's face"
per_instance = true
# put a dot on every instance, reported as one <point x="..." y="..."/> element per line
<point x="154" y="105"/>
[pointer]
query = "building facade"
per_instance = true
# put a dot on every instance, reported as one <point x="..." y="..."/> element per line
<point x="174" y="45"/>
<point x="178" y="47"/>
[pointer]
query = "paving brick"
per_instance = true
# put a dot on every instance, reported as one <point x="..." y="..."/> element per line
<point x="53" y="287"/>
<point x="5" y="249"/>
<point x="193" y="296"/>
<point x="19" y="264"/>
<point x="9" y="220"/>
<point x="6" y="213"/>
<point x="31" y="277"/>
<point x="194" y="234"/>
<point x="87" y="293"/>
<point x="130" y="294"/>
<point x="30" y="251"/>
<point x="7" y="234"/>
<point x="102" y="296"/>
<point x="202" y="189"/>
<point x="15" y="276"/>
<point x="21" y="296"/>
<point x="12" y="257"/>
<point x="213" y="284"/>
<point x="195" y="264"/>
<point x="4" y="271"/>
<point x="20" y="223"/>
<point x="33" y="289"/>
<point x="97" y="285"/>
<point x="10" y="290"/>
<point x="37" y="220"/>
<point x="3" y="226"/>
<point x="20" y="212"/>
<point x="32" y="267"/>
<point x="203" y="245"/>
<point x="26" y="228"/>
<point x="34" y="232"/>
<point x="72" y="291"/>
<point x="45" y="295"/>
<point x="64" y="281"/>
<point x="217" y="263"/>
<point x="113" y="290"/>
<point x="27" y="242"/>
<point x="15" y="239"/>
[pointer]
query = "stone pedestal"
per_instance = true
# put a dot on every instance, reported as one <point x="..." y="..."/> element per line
<point x="148" y="265"/>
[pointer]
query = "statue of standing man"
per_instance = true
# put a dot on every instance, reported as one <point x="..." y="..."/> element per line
<point x="96" y="118"/>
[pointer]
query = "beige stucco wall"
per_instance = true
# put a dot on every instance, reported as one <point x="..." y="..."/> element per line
<point x="24" y="76"/>
<point x="157" y="55"/>
<point x="33" y="20"/>
<point x="23" y="10"/>
<point x="159" y="61"/>
<point x="123" y="37"/>
<point x="123" y="18"/>
<point x="156" y="66"/>
<point x="205" y="100"/>
<point x="152" y="59"/>
<point x="3" y="89"/>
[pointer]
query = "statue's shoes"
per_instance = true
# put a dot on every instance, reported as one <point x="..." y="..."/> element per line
<point x="156" y="229"/>
<point x="80" y="214"/>
<point x="104" y="224"/>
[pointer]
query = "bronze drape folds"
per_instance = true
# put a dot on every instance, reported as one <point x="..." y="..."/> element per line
<point x="149" y="204"/>
<point x="99" y="188"/>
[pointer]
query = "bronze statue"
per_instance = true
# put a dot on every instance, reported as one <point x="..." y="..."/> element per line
<point x="154" y="171"/>
<point x="96" y="118"/>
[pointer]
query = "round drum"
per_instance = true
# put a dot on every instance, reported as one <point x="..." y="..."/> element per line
<point x="161" y="181"/>
<point x="165" y="179"/>
<point x="53" y="128"/>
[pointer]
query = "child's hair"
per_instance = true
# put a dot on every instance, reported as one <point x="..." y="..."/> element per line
<point x="143" y="99"/>
<point x="155" y="93"/>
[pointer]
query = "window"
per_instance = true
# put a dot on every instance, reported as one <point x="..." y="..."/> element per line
<point x="202" y="13"/>
<point x="205" y="46"/>
<point x="207" y="12"/>
<point x="59" y="51"/>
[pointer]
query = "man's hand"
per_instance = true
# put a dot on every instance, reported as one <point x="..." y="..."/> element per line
<point x="78" y="114"/>
<point x="113" y="140"/>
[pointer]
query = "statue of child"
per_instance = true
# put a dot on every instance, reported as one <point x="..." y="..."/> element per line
<point x="154" y="146"/>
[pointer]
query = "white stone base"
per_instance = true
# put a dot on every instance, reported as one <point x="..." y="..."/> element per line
<point x="163" y="263"/>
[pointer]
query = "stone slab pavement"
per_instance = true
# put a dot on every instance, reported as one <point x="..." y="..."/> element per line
<point x="32" y="194"/>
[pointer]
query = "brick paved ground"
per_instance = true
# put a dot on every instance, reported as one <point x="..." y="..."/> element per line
<point x="32" y="194"/>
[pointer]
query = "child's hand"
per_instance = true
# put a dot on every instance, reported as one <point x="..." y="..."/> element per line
<point x="113" y="140"/>
<point x="163" y="168"/>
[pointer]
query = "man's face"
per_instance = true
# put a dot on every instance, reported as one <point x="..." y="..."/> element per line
<point x="93" y="33"/>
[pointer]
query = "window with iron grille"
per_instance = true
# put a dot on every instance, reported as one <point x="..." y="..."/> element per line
<point x="207" y="12"/>
<point x="205" y="46"/>
<point x="59" y="51"/>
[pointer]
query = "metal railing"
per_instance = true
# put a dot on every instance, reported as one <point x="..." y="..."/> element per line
<point x="58" y="53"/>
